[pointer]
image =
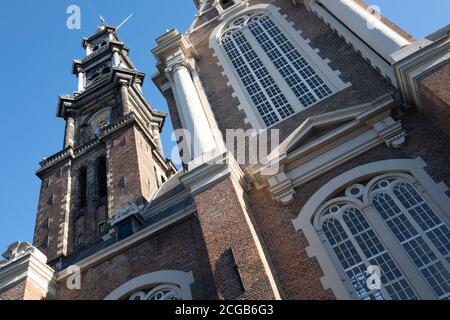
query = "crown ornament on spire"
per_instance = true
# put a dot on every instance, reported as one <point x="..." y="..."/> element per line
<point x="102" y="24"/>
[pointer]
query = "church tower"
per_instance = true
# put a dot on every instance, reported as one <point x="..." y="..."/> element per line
<point x="112" y="152"/>
<point x="353" y="203"/>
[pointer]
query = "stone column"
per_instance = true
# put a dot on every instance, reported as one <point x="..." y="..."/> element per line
<point x="190" y="106"/>
<point x="70" y="132"/>
<point x="124" y="98"/>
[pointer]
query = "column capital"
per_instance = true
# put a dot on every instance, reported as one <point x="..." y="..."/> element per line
<point x="176" y="62"/>
<point x="172" y="48"/>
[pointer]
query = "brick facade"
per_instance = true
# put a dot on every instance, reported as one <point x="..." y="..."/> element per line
<point x="367" y="83"/>
<point x="301" y="274"/>
<point x="238" y="242"/>
<point x="435" y="95"/>
<point x="232" y="251"/>
<point x="182" y="248"/>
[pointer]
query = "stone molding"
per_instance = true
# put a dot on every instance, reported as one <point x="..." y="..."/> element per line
<point x="299" y="160"/>
<point x="181" y="279"/>
<point x="303" y="222"/>
<point x="26" y="262"/>
<point x="415" y="61"/>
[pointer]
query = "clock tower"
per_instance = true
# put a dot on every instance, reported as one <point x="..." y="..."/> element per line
<point x="112" y="154"/>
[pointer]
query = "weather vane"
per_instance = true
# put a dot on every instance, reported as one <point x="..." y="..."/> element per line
<point x="103" y="21"/>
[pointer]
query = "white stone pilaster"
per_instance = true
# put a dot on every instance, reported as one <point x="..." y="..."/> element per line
<point x="81" y="81"/>
<point x="70" y="132"/>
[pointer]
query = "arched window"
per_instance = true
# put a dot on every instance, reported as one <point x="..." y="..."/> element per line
<point x="357" y="247"/>
<point x="160" y="285"/>
<point x="421" y="232"/>
<point x="162" y="292"/>
<point x="266" y="61"/>
<point x="388" y="224"/>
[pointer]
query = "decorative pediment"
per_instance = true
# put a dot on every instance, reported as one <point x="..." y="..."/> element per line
<point x="323" y="142"/>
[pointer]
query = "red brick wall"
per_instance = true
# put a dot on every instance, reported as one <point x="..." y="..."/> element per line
<point x="54" y="186"/>
<point x="434" y="94"/>
<point x="224" y="226"/>
<point x="24" y="289"/>
<point x="367" y="83"/>
<point x="34" y="291"/>
<point x="299" y="275"/>
<point x="181" y="247"/>
<point x="15" y="291"/>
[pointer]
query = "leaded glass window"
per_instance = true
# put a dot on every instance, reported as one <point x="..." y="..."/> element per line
<point x="399" y="230"/>
<point x="421" y="232"/>
<point x="268" y="64"/>
<point x="357" y="247"/>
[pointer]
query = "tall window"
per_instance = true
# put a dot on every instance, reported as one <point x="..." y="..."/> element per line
<point x="421" y="232"/>
<point x="261" y="55"/>
<point x="102" y="186"/>
<point x="356" y="240"/>
<point x="82" y="187"/>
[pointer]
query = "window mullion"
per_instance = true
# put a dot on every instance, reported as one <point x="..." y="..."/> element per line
<point x="290" y="96"/>
<point x="421" y="232"/>
<point x="290" y="64"/>
<point x="263" y="91"/>
<point x="363" y="257"/>
<point x="398" y="254"/>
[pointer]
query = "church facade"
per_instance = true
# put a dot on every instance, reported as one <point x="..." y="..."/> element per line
<point x="349" y="201"/>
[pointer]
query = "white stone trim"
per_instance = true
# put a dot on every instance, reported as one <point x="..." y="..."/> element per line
<point x="356" y="130"/>
<point x="332" y="278"/>
<point x="30" y="266"/>
<point x="366" y="52"/>
<point x="330" y="76"/>
<point x="171" y="277"/>
<point x="414" y="61"/>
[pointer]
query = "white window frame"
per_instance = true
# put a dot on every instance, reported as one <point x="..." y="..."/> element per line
<point x="178" y="279"/>
<point x="328" y="75"/>
<point x="308" y="219"/>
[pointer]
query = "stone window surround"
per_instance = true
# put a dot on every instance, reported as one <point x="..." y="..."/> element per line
<point x="433" y="192"/>
<point x="321" y="66"/>
<point x="183" y="280"/>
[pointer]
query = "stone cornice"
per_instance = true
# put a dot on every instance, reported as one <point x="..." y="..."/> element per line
<point x="31" y="265"/>
<point x="67" y="104"/>
<point x="171" y="44"/>
<point x="71" y="153"/>
<point x="414" y="64"/>
<point x="300" y="159"/>
<point x="100" y="33"/>
<point x="201" y="177"/>
<point x="113" y="46"/>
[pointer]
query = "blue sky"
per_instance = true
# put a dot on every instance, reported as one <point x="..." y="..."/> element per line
<point x="36" y="56"/>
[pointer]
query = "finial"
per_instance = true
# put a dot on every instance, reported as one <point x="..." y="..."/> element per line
<point x="102" y="23"/>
